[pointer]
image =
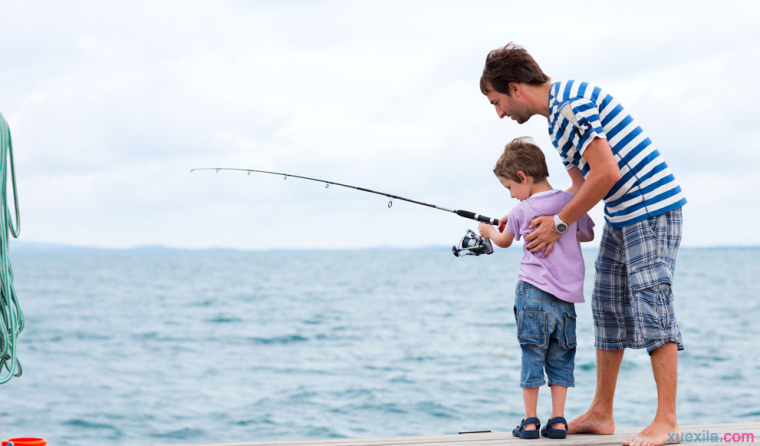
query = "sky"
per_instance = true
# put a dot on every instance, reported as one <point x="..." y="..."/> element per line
<point x="112" y="103"/>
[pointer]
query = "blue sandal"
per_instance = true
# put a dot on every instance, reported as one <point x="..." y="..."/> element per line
<point x="549" y="432"/>
<point x="519" y="431"/>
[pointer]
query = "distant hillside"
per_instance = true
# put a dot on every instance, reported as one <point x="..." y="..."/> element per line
<point x="24" y="246"/>
<point x="32" y="247"/>
<point x="21" y="246"/>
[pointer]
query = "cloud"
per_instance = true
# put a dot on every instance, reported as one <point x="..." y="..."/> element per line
<point x="111" y="104"/>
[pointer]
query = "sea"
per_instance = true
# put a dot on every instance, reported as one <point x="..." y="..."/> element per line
<point x="161" y="346"/>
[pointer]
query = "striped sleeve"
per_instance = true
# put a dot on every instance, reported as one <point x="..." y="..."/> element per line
<point x="580" y="112"/>
<point x="582" y="116"/>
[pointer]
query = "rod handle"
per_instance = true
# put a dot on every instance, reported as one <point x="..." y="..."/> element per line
<point x="478" y="217"/>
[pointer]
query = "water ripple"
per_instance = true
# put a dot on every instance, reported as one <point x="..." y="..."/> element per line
<point x="125" y="348"/>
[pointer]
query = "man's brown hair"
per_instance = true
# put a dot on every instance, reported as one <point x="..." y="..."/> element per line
<point x="510" y="63"/>
<point x="522" y="155"/>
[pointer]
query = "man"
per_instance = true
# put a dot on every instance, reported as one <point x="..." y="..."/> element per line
<point x="608" y="157"/>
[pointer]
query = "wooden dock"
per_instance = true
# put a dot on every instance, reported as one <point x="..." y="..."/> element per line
<point x="506" y="438"/>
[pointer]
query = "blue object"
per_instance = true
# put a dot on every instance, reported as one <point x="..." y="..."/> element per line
<point x="549" y="432"/>
<point x="519" y="431"/>
<point x="12" y="320"/>
<point x="546" y="331"/>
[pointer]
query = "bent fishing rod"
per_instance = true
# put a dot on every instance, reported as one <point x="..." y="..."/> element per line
<point x="471" y="243"/>
<point x="465" y="214"/>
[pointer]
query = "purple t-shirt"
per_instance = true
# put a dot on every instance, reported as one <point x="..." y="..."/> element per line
<point x="561" y="272"/>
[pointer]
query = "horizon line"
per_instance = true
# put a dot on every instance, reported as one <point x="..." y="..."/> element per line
<point x="36" y="246"/>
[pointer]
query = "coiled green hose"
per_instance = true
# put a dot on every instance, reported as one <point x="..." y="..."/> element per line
<point x="12" y="321"/>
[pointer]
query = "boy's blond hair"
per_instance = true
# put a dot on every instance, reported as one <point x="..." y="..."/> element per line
<point x="522" y="155"/>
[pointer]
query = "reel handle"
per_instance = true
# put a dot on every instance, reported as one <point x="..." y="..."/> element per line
<point x="478" y="217"/>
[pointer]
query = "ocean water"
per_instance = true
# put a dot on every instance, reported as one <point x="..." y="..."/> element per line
<point x="158" y="347"/>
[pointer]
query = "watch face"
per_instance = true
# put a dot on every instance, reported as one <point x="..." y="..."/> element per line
<point x="561" y="228"/>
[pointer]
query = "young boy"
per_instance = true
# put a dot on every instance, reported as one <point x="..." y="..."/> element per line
<point x="547" y="288"/>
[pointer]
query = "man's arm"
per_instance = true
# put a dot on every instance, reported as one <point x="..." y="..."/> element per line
<point x="576" y="176"/>
<point x="603" y="174"/>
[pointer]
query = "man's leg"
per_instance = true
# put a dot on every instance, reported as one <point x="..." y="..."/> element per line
<point x="665" y="367"/>
<point x="598" y="419"/>
<point x="653" y="256"/>
<point x="608" y="308"/>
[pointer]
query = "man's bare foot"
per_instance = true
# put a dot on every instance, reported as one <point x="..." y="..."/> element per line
<point x="656" y="434"/>
<point x="589" y="423"/>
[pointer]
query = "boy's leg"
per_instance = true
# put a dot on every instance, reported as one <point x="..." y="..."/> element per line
<point x="560" y="360"/>
<point x="559" y="395"/>
<point x="530" y="399"/>
<point x="530" y="319"/>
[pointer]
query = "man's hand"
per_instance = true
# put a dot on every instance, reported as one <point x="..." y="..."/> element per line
<point x="503" y="223"/>
<point x="543" y="237"/>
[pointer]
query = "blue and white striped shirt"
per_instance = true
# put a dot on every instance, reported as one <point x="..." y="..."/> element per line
<point x="580" y="112"/>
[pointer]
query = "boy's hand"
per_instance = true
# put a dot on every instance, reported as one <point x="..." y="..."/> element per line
<point x="485" y="230"/>
<point x="502" y="239"/>
<point x="503" y="223"/>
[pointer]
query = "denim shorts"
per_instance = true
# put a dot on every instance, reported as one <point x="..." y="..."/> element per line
<point x="632" y="302"/>
<point x="546" y="331"/>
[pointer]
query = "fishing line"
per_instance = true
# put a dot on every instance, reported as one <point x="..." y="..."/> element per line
<point x="461" y="213"/>
<point x="12" y="320"/>
<point x="470" y="245"/>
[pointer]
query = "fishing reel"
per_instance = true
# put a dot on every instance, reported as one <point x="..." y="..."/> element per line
<point x="472" y="245"/>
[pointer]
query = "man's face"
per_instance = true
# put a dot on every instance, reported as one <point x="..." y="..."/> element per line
<point x="509" y="106"/>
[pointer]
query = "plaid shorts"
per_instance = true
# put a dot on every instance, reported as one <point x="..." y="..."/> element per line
<point x="632" y="302"/>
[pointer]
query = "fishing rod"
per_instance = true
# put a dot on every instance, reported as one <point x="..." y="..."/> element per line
<point x="471" y="243"/>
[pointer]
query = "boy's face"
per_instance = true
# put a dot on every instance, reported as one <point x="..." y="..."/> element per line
<point x="520" y="191"/>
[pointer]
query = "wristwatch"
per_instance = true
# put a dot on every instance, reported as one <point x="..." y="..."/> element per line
<point x="559" y="225"/>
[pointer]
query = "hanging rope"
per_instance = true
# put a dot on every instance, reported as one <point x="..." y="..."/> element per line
<point x="12" y="321"/>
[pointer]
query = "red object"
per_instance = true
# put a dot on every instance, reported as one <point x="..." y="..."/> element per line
<point x="26" y="441"/>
